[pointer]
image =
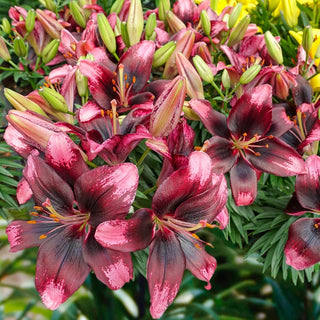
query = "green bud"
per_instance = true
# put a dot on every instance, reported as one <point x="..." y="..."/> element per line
<point x="225" y="79"/>
<point x="50" y="5"/>
<point x="78" y="14"/>
<point x="307" y="39"/>
<point x="162" y="55"/>
<point x="203" y="69"/>
<point x="124" y="34"/>
<point x="205" y="22"/>
<point x="4" y="52"/>
<point x="30" y="20"/>
<point x="106" y="33"/>
<point x="82" y="84"/>
<point x="234" y="15"/>
<point x="238" y="31"/>
<point x="250" y="74"/>
<point x="50" y="51"/>
<point x="150" y="25"/>
<point x="135" y="22"/>
<point x="6" y="26"/>
<point x="54" y="99"/>
<point x="214" y="5"/>
<point x="273" y="47"/>
<point x="116" y="7"/>
<point x="19" y="47"/>
<point x="164" y="7"/>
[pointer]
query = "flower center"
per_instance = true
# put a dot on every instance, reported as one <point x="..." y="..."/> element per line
<point x="112" y="119"/>
<point x="122" y="87"/>
<point x="47" y="214"/>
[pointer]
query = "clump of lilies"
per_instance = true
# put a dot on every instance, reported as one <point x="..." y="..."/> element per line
<point x="112" y="84"/>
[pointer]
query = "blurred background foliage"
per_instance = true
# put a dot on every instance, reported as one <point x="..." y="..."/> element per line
<point x="252" y="280"/>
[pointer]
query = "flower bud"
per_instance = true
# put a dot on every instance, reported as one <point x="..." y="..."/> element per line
<point x="6" y="26"/>
<point x="19" y="47"/>
<point x="250" y="74"/>
<point x="317" y="53"/>
<point x="135" y="22"/>
<point x="106" y="33"/>
<point x="307" y="39"/>
<point x="273" y="47"/>
<point x="30" y="20"/>
<point x="164" y="7"/>
<point x="205" y="22"/>
<point x="50" y="51"/>
<point x="162" y="55"/>
<point x="116" y="7"/>
<point x="54" y="99"/>
<point x="78" y="14"/>
<point x="50" y="5"/>
<point x="238" y="31"/>
<point x="203" y="69"/>
<point x="22" y="103"/>
<point x="150" y="25"/>
<point x="51" y="25"/>
<point x="234" y="15"/>
<point x="82" y="84"/>
<point x="225" y="79"/>
<point x="189" y="113"/>
<point x="175" y="24"/>
<point x="124" y="34"/>
<point x="290" y="12"/>
<point x="4" y="52"/>
<point x="214" y="5"/>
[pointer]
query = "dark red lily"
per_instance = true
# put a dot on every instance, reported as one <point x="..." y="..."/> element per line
<point x="187" y="201"/>
<point x="302" y="247"/>
<point x="245" y="142"/>
<point x="64" y="224"/>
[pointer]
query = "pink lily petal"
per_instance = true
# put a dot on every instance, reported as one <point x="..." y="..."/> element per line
<point x="302" y="247"/>
<point x="61" y="268"/>
<point x="222" y="218"/>
<point x="128" y="235"/>
<point x="165" y="270"/>
<point x="111" y="267"/>
<point x="24" y="192"/>
<point x="243" y="181"/>
<point x="107" y="192"/>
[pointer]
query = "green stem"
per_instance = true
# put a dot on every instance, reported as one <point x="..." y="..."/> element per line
<point x="116" y="56"/>
<point x="91" y="164"/>
<point x="13" y="64"/>
<point x="142" y="157"/>
<point x="150" y="190"/>
<point x="239" y="285"/>
<point x="217" y="89"/>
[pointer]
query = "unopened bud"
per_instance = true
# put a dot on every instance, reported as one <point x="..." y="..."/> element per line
<point x="135" y="22"/>
<point x="82" y="84"/>
<point x="50" y="5"/>
<point x="175" y="24"/>
<point x="164" y="7"/>
<point x="150" y="25"/>
<point x="6" y="26"/>
<point x="273" y="47"/>
<point x="203" y="69"/>
<point x="54" y="99"/>
<point x="78" y="14"/>
<point x="225" y="79"/>
<point x="307" y="39"/>
<point x="238" y="31"/>
<point x="124" y="34"/>
<point x="20" y="102"/>
<point x="30" y="20"/>
<point x="50" y="51"/>
<point x="116" y="7"/>
<point x="51" y="25"/>
<point x="250" y="74"/>
<point x="19" y="47"/>
<point x="162" y="55"/>
<point x="317" y="53"/>
<point x="234" y="15"/>
<point x="214" y="5"/>
<point x="205" y="22"/>
<point x="106" y="33"/>
<point x="4" y="52"/>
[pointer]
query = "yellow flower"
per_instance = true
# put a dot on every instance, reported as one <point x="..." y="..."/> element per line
<point x="290" y="11"/>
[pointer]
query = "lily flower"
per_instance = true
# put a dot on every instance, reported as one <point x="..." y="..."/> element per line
<point x="302" y="247"/>
<point x="64" y="223"/>
<point x="245" y="142"/>
<point x="186" y="202"/>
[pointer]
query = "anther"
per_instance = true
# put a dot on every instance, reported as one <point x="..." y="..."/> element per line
<point x="43" y="236"/>
<point x="32" y="222"/>
<point x="257" y="154"/>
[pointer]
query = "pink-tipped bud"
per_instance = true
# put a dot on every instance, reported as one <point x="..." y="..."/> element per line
<point x="4" y="52"/>
<point x="175" y="24"/>
<point x="51" y="25"/>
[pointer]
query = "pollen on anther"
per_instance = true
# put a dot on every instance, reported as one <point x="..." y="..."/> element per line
<point x="270" y="136"/>
<point x="35" y="214"/>
<point x="316" y="225"/>
<point x="257" y="154"/>
<point x="134" y="79"/>
<point x="244" y="134"/>
<point x="43" y="236"/>
<point x="195" y="236"/>
<point x="31" y="222"/>
<point x="267" y="146"/>
<point x="197" y="246"/>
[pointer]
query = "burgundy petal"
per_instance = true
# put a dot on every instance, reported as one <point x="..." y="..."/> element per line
<point x="280" y="122"/>
<point x="107" y="192"/>
<point x="252" y="113"/>
<point x="214" y="121"/>
<point x="186" y="10"/>
<point x="308" y="185"/>
<point x="276" y="157"/>
<point x="111" y="267"/>
<point x="243" y="180"/>
<point x="165" y="269"/>
<point x="201" y="264"/>
<point x="313" y="135"/>
<point x="294" y="207"/>
<point x="302" y="248"/>
<point x="65" y="157"/>
<point x="61" y="268"/>
<point x="128" y="235"/>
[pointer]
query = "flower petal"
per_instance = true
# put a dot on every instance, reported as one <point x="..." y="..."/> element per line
<point x="111" y="267"/>
<point x="107" y="192"/>
<point x="24" y="192"/>
<point x="302" y="247"/>
<point x="243" y="180"/>
<point x="127" y="235"/>
<point x="61" y="268"/>
<point x="165" y="269"/>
